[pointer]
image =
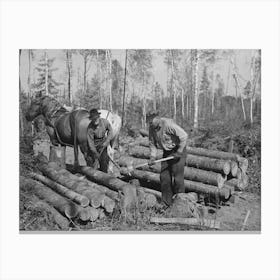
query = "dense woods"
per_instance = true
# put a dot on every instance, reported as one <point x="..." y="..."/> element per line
<point x="191" y="86"/>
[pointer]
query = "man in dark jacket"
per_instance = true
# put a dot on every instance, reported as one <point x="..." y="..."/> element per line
<point x="165" y="134"/>
<point x="99" y="135"/>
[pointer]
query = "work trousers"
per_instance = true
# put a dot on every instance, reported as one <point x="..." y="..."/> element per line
<point x="103" y="159"/>
<point x="172" y="176"/>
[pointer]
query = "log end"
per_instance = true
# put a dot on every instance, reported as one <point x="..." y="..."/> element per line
<point x="71" y="211"/>
<point x="108" y="204"/>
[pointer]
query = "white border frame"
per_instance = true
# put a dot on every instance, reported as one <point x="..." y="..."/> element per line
<point x="154" y="24"/>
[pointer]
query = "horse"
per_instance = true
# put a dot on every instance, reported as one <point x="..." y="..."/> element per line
<point x="69" y="128"/>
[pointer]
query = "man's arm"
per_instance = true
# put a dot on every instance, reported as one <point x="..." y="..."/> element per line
<point x="90" y="139"/>
<point x="180" y="133"/>
<point x="109" y="132"/>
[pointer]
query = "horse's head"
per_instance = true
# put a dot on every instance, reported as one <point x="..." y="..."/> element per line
<point x="35" y="109"/>
<point x="41" y="105"/>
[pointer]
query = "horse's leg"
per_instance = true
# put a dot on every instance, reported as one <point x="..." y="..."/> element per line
<point x="63" y="157"/>
<point x="86" y="153"/>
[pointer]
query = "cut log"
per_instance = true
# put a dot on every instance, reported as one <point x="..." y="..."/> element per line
<point x="128" y="190"/>
<point x="213" y="224"/>
<point x="60" y="203"/>
<point x="236" y="183"/>
<point x="233" y="168"/>
<point x="78" y="198"/>
<point x="206" y="163"/>
<point x="190" y="186"/>
<point x="190" y="173"/>
<point x="211" y="164"/>
<point x="143" y="152"/>
<point x="108" y="204"/>
<point x="242" y="162"/>
<point x="82" y="187"/>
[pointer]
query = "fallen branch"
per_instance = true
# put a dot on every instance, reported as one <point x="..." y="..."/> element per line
<point x="213" y="224"/>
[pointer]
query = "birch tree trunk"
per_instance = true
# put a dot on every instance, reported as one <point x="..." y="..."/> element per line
<point x="124" y="89"/>
<point x="85" y="76"/>
<point x="253" y="76"/>
<point x="228" y="75"/>
<point x="213" y="94"/>
<point x="182" y="105"/>
<point x="29" y="76"/>
<point x="238" y="87"/>
<point x="144" y="100"/>
<point x="46" y="73"/>
<point x="173" y="91"/>
<point x="110" y="79"/>
<point x="196" y="87"/>
<point x="68" y="66"/>
<point x="155" y="97"/>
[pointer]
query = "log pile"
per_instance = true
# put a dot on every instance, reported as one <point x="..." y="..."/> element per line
<point x="214" y="173"/>
<point x="75" y="198"/>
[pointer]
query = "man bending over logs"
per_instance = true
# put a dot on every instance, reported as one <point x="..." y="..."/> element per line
<point x="99" y="135"/>
<point x="165" y="134"/>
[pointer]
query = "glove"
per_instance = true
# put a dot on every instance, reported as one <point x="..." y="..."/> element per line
<point x="105" y="144"/>
<point x="151" y="161"/>
<point x="177" y="155"/>
<point x="97" y="155"/>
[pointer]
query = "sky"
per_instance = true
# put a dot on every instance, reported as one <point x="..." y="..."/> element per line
<point x="159" y="70"/>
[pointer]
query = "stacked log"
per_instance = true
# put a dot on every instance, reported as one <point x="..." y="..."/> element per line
<point x="97" y="198"/>
<point x="205" y="169"/>
<point x="190" y="186"/>
<point x="190" y="173"/>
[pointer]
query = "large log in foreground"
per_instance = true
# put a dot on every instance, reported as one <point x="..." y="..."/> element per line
<point x="213" y="224"/>
<point x="190" y="173"/>
<point x="60" y="203"/>
<point x="74" y="183"/>
<point x="190" y="186"/>
<point x="206" y="163"/>
<point x="128" y="190"/>
<point x="78" y="198"/>
<point x="60" y="220"/>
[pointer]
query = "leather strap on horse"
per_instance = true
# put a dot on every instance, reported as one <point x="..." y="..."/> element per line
<point x="56" y="132"/>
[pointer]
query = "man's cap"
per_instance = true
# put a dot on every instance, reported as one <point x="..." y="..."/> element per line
<point x="93" y="113"/>
<point x="151" y="115"/>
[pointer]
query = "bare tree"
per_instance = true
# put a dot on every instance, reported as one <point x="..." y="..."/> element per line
<point x="196" y="86"/>
<point x="30" y="56"/>
<point x="68" y="54"/>
<point x="124" y="89"/>
<point x="237" y="86"/>
<point x="109" y="77"/>
<point x="86" y="55"/>
<point x="255" y="71"/>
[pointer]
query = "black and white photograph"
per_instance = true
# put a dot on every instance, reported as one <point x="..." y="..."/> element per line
<point x="140" y="140"/>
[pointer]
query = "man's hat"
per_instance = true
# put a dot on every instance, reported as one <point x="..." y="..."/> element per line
<point x="151" y="115"/>
<point x="93" y="113"/>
